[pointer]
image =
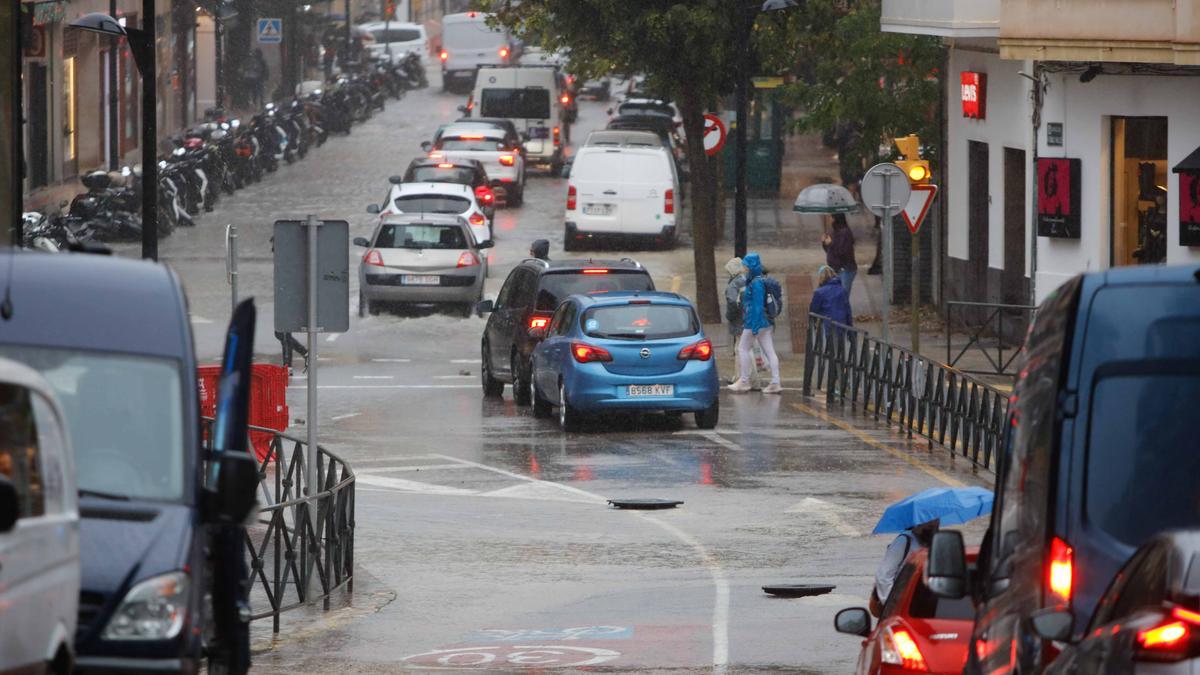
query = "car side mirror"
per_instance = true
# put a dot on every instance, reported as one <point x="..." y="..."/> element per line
<point x="395" y="180"/>
<point x="484" y="306"/>
<point x="362" y="241"/>
<point x="10" y="504"/>
<point x="426" y="146"/>
<point x="609" y="111"/>
<point x="486" y="244"/>
<point x="853" y="621"/>
<point x="1053" y="623"/>
<point x="372" y="208"/>
<point x="237" y="485"/>
<point x="231" y="492"/>
<point x="946" y="571"/>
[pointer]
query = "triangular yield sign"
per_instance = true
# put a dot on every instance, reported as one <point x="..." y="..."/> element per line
<point x="918" y="205"/>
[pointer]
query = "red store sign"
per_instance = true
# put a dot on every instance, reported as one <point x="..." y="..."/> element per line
<point x="974" y="95"/>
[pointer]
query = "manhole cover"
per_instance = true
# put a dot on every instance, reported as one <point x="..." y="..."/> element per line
<point x="645" y="503"/>
<point x="798" y="590"/>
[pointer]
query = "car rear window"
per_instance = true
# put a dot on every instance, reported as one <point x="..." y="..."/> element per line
<point x="645" y="109"/>
<point x="396" y="35"/>
<point x="421" y="235"/>
<point x="432" y="204"/>
<point x="1142" y="461"/>
<point x="640" y="322"/>
<point x="556" y="286"/>
<point x="471" y="144"/>
<point x="435" y="174"/>
<point x="926" y="605"/>
<point x="531" y="103"/>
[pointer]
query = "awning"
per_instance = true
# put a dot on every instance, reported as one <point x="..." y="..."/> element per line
<point x="1189" y="163"/>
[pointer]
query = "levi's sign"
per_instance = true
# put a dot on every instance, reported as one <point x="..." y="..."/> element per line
<point x="974" y="95"/>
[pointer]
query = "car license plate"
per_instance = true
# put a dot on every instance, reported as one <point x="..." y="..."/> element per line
<point x="420" y="280"/>
<point x="651" y="390"/>
<point x="597" y="209"/>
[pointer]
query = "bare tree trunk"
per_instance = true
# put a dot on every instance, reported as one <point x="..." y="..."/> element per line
<point x="704" y="206"/>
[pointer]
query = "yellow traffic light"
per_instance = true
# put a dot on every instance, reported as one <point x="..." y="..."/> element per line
<point x="914" y="167"/>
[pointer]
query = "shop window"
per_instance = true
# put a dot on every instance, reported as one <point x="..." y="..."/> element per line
<point x="1139" y="190"/>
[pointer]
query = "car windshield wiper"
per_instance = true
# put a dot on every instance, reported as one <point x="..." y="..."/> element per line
<point x="83" y="492"/>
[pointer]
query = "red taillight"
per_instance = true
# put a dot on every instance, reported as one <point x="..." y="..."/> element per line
<point x="701" y="351"/>
<point x="467" y="259"/>
<point x="508" y="160"/>
<point x="471" y="137"/>
<point x="1061" y="570"/>
<point x="564" y="99"/>
<point x="669" y="201"/>
<point x="585" y="353"/>
<point x="504" y="52"/>
<point x="557" y="136"/>
<point x="1164" y="637"/>
<point x="445" y="165"/>
<point x="570" y="197"/>
<point x="484" y="194"/>
<point x="373" y="258"/>
<point x="538" y="321"/>
<point x="476" y="219"/>
<point x="595" y="271"/>
<point x="1174" y="638"/>
<point x="900" y="649"/>
<point x="444" y="55"/>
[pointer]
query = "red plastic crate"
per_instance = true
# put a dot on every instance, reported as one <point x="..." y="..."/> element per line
<point x="268" y="400"/>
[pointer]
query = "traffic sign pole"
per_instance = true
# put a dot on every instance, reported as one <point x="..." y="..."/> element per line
<point x="915" y="301"/>
<point x="885" y="192"/>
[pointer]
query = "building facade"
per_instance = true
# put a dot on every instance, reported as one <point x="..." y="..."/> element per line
<point x="1065" y="122"/>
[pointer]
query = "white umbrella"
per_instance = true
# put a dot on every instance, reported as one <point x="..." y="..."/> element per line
<point x="824" y="198"/>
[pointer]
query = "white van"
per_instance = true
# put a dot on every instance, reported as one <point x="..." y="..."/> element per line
<point x="530" y="96"/>
<point x="622" y="191"/>
<point x="39" y="527"/>
<point x="381" y="38"/>
<point x="468" y="43"/>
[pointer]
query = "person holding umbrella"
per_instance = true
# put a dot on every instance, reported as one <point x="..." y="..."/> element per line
<point x="909" y="540"/>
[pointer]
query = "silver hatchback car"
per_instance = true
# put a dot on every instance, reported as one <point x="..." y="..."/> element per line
<point x="421" y="259"/>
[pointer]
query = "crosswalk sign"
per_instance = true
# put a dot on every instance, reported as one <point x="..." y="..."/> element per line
<point x="270" y="31"/>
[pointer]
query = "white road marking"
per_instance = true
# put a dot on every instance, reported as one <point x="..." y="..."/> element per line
<point x="196" y="318"/>
<point x="417" y="467"/>
<point x="345" y="417"/>
<point x="716" y="438"/>
<point x="453" y="377"/>
<point x="410" y="485"/>
<point x="540" y="490"/>
<point x="466" y="360"/>
<point x="700" y="432"/>
<point x="826" y="510"/>
<point x="392" y="386"/>
<point x="374" y="377"/>
<point x="720" y="620"/>
<point x="392" y="360"/>
<point x="333" y="337"/>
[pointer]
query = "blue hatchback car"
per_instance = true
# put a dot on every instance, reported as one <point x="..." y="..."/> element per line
<point x="625" y="352"/>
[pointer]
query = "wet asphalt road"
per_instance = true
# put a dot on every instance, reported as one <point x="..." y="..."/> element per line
<point x="483" y="536"/>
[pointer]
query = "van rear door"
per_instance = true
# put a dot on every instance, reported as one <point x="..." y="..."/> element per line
<point x="645" y="178"/>
<point x="597" y="180"/>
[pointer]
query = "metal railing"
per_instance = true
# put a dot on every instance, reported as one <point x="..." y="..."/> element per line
<point x="923" y="396"/>
<point x="301" y="543"/>
<point x="991" y="328"/>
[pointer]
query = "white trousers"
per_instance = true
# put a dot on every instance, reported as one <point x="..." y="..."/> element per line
<point x="766" y="341"/>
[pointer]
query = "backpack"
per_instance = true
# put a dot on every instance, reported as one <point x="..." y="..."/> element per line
<point x="773" y="298"/>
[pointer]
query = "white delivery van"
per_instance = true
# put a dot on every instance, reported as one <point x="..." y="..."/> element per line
<point x="396" y="38"/>
<point x="39" y="527"/>
<point x="622" y="191"/>
<point x="468" y="43"/>
<point x="530" y="96"/>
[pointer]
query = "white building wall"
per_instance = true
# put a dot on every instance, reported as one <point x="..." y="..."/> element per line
<point x="1085" y="110"/>
<point x="1007" y="124"/>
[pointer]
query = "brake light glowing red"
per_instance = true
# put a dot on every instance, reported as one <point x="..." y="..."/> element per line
<point x="373" y="257"/>
<point x="467" y="259"/>
<point x="564" y="99"/>
<point x="445" y="165"/>
<point x="595" y="271"/>
<point x="476" y="219"/>
<point x="444" y="55"/>
<point x="700" y="351"/>
<point x="669" y="201"/>
<point x="484" y="194"/>
<point x="557" y="136"/>
<point x="570" y="197"/>
<point x="504" y="52"/>
<point x="538" y="321"/>
<point x="508" y="160"/>
<point x="1164" y="637"/>
<point x="1061" y="569"/>
<point x="585" y="353"/>
<point x="906" y="648"/>
<point x="1186" y="615"/>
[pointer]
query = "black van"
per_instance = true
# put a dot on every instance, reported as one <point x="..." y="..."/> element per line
<point x="1103" y="453"/>
<point x="114" y="340"/>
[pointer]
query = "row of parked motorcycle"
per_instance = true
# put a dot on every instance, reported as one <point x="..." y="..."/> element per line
<point x="223" y="155"/>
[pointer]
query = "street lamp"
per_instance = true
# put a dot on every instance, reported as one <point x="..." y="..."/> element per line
<point x="742" y="105"/>
<point x="141" y="44"/>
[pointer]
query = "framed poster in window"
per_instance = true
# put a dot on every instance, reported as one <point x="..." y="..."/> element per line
<point x="1189" y="208"/>
<point x="1058" y="197"/>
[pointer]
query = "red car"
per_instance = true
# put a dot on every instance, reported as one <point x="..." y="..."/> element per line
<point x="918" y="631"/>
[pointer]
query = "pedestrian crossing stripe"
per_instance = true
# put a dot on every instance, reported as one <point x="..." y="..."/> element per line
<point x="270" y="31"/>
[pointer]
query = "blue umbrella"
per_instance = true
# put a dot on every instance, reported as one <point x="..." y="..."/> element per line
<point x="952" y="506"/>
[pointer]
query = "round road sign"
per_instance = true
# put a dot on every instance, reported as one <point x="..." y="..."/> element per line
<point x="714" y="134"/>
<point x="885" y="189"/>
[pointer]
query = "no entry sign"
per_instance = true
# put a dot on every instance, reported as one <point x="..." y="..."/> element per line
<point x="714" y="134"/>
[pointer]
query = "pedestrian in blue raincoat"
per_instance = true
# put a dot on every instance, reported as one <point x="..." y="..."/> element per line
<point x="831" y="300"/>
<point x="758" y="325"/>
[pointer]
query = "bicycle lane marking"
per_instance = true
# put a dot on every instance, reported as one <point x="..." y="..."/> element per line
<point x="865" y="438"/>
<point x="720" y="616"/>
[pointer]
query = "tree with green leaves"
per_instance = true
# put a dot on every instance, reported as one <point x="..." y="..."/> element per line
<point x="685" y="49"/>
